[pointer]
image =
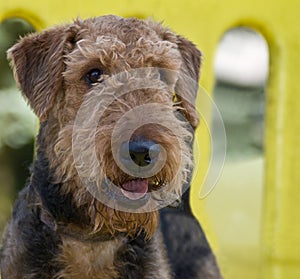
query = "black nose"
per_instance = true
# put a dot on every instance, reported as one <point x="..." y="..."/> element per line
<point x="141" y="151"/>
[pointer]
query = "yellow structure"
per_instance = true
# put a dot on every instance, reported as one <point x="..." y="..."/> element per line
<point x="205" y="22"/>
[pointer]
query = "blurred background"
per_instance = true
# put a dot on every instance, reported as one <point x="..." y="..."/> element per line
<point x="241" y="68"/>
<point x="17" y="124"/>
<point x="250" y="67"/>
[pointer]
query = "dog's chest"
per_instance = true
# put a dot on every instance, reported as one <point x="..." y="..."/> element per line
<point x="88" y="260"/>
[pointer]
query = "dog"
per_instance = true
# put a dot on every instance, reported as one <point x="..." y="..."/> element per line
<point x="108" y="194"/>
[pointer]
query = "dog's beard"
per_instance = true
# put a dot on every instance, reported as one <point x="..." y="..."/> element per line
<point x="119" y="202"/>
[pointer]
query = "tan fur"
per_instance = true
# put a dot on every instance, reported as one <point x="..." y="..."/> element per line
<point x="86" y="260"/>
<point x="50" y="67"/>
<point x="98" y="45"/>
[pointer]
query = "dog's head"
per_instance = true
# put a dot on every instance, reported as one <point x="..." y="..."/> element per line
<point x="117" y="101"/>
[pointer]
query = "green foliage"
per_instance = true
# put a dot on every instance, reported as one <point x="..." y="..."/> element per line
<point x="17" y="122"/>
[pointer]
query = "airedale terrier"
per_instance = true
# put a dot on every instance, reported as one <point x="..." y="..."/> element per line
<point x="108" y="195"/>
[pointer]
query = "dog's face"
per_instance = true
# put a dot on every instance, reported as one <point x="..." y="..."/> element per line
<point x="117" y="101"/>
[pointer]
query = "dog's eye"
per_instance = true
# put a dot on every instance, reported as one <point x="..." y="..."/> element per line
<point x="93" y="76"/>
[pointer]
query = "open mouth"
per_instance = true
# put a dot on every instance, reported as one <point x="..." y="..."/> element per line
<point x="136" y="189"/>
<point x="133" y="193"/>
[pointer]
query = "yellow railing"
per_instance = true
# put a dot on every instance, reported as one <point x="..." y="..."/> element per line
<point x="204" y="22"/>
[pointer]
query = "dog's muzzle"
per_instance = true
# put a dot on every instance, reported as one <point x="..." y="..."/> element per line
<point x="139" y="153"/>
<point x="141" y="158"/>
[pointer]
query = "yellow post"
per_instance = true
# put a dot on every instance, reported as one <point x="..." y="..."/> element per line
<point x="204" y="22"/>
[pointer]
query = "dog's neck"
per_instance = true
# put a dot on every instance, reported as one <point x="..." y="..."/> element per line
<point x="56" y="210"/>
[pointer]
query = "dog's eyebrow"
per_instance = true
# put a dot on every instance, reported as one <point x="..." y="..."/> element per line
<point x="102" y="42"/>
<point x="108" y="156"/>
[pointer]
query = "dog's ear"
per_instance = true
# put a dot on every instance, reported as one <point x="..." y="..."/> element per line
<point x="37" y="61"/>
<point x="187" y="85"/>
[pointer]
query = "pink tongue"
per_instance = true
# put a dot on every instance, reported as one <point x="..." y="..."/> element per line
<point x="135" y="189"/>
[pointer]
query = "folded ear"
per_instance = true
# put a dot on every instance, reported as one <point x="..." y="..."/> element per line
<point x="37" y="61"/>
<point x="187" y="85"/>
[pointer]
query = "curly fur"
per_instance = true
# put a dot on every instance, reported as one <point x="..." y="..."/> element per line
<point x="59" y="229"/>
